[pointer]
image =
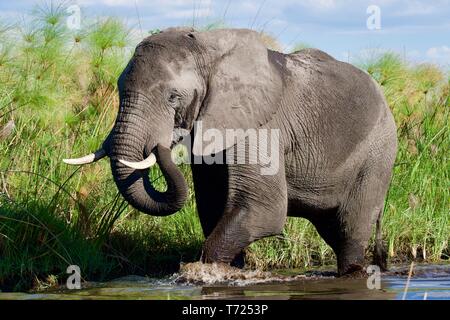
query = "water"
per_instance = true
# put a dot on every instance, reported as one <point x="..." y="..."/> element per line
<point x="196" y="281"/>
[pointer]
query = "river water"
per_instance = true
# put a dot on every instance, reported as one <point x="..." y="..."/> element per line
<point x="196" y="281"/>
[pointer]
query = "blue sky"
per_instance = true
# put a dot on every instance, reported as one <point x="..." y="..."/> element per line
<point x="417" y="29"/>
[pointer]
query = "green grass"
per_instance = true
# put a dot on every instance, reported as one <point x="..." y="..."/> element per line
<point x="59" y="89"/>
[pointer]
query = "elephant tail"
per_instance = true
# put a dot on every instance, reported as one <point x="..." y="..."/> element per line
<point x="380" y="254"/>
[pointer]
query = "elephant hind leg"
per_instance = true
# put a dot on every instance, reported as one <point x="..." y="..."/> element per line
<point x="348" y="249"/>
<point x="347" y="230"/>
<point x="357" y="216"/>
<point x="347" y="243"/>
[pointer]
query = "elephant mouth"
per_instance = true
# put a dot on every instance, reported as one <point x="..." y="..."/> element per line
<point x="132" y="177"/>
<point x="133" y="182"/>
<point x="178" y="135"/>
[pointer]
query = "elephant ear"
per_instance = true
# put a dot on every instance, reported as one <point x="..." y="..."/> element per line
<point x="244" y="87"/>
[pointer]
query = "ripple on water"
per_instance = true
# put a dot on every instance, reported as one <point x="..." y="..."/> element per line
<point x="220" y="281"/>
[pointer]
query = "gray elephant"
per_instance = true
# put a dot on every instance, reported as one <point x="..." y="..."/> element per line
<point x="337" y="140"/>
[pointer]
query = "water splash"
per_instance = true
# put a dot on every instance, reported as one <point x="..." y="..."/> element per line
<point x="198" y="273"/>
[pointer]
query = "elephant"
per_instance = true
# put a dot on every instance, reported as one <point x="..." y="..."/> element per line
<point x="337" y="141"/>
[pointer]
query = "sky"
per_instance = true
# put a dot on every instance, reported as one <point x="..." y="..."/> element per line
<point x="349" y="30"/>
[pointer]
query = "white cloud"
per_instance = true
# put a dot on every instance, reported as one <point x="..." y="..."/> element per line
<point x="413" y="8"/>
<point x="442" y="52"/>
<point x="11" y="14"/>
<point x="114" y="3"/>
<point x="321" y="4"/>
<point x="290" y="21"/>
<point x="310" y="4"/>
<point x="439" y="55"/>
<point x="147" y="3"/>
<point x="188" y="13"/>
<point x="109" y="3"/>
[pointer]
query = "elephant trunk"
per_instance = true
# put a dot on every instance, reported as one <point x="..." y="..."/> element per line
<point x="128" y="142"/>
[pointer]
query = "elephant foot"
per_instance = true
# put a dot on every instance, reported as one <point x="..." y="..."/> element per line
<point x="214" y="256"/>
<point x="353" y="271"/>
<point x="239" y="260"/>
<point x="351" y="260"/>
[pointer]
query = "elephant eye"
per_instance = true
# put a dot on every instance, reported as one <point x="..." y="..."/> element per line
<point x="173" y="98"/>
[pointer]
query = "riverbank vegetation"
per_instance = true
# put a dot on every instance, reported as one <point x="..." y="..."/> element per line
<point x="58" y="98"/>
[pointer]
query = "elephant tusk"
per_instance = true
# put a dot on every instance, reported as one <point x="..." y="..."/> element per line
<point x="93" y="157"/>
<point x="144" y="164"/>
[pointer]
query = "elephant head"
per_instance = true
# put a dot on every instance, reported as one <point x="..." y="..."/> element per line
<point x="227" y="79"/>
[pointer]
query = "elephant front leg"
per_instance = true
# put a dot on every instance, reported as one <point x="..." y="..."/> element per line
<point x="256" y="207"/>
<point x="237" y="229"/>
<point x="228" y="238"/>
